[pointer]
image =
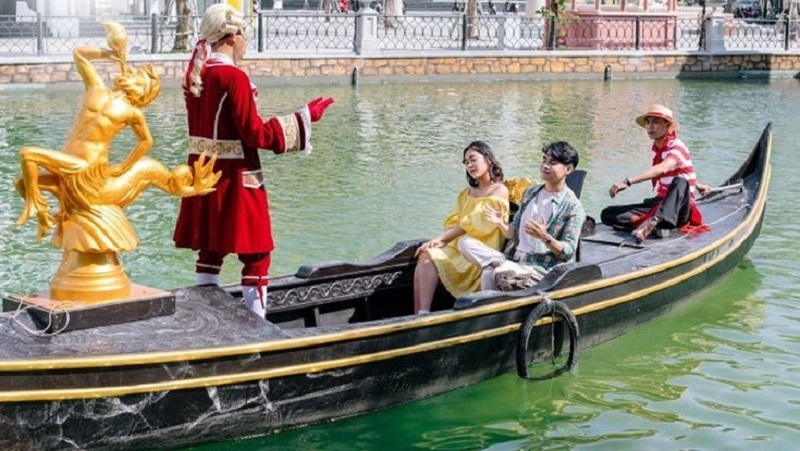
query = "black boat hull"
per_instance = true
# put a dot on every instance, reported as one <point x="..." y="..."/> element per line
<point x="173" y="397"/>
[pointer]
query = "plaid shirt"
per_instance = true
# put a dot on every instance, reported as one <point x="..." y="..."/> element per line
<point x="564" y="225"/>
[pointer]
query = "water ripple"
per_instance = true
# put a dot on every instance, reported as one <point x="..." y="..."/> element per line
<point x="717" y="374"/>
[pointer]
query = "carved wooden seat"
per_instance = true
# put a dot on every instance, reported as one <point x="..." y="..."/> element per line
<point x="340" y="292"/>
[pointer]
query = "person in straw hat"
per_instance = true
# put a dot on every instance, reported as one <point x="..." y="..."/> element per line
<point x="223" y="119"/>
<point x="672" y="176"/>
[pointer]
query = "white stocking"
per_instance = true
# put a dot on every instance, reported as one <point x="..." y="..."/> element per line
<point x="207" y="279"/>
<point x="253" y="301"/>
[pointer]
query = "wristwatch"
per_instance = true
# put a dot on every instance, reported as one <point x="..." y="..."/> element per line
<point x="627" y="181"/>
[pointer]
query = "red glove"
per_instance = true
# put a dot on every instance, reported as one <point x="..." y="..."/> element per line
<point x="317" y="107"/>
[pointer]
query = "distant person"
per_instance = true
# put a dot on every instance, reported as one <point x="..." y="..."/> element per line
<point x="673" y="178"/>
<point x="439" y="258"/>
<point x="223" y="119"/>
<point x="544" y="232"/>
<point x="492" y="9"/>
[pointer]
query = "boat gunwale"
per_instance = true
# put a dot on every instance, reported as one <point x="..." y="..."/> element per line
<point x="327" y="365"/>
<point x="752" y="218"/>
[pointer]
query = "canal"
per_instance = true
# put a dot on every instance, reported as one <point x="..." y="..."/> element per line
<point x="719" y="373"/>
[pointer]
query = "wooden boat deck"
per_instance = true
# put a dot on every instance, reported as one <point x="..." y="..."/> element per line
<point x="205" y="317"/>
<point x="615" y="252"/>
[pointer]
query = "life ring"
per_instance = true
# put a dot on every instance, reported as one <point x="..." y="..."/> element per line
<point x="552" y="308"/>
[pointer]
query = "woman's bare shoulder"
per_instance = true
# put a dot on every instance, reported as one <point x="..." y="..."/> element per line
<point x="498" y="189"/>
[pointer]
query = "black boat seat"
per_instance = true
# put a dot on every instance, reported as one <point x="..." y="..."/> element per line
<point x="331" y="292"/>
<point x="562" y="276"/>
<point x="516" y="186"/>
<point x="575" y="179"/>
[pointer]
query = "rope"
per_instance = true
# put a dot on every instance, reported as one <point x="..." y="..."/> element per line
<point x="13" y="319"/>
<point x="687" y="236"/>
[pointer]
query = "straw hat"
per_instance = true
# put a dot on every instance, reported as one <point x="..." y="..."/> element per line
<point x="658" y="111"/>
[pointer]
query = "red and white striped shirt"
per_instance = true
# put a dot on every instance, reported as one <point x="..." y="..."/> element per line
<point x="674" y="149"/>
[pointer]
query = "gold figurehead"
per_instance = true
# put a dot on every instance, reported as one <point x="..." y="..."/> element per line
<point x="91" y="226"/>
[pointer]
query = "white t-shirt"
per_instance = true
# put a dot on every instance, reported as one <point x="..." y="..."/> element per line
<point x="539" y="209"/>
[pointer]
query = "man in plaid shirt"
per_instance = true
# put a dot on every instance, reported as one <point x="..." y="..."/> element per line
<point x="543" y="234"/>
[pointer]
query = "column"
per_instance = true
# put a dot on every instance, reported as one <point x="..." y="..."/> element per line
<point x="367" y="26"/>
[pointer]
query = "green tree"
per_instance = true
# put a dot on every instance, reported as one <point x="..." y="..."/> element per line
<point x="556" y="16"/>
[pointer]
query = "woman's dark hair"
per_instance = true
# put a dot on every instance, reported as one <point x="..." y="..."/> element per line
<point x="562" y="152"/>
<point x="495" y="169"/>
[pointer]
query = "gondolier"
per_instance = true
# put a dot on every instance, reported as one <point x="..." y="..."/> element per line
<point x="673" y="178"/>
<point x="223" y="119"/>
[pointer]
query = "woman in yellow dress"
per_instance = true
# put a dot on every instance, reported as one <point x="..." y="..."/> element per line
<point x="439" y="258"/>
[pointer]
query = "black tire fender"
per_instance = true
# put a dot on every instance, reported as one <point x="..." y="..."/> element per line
<point x="555" y="309"/>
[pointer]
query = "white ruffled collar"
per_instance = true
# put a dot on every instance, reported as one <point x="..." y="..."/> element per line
<point x="222" y="58"/>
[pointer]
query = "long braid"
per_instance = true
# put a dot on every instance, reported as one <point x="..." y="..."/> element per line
<point x="219" y="21"/>
<point x="197" y="64"/>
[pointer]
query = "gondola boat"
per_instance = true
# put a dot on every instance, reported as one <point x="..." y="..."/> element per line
<point x="340" y="339"/>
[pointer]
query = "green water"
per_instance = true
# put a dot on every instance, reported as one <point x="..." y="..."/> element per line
<point x="720" y="373"/>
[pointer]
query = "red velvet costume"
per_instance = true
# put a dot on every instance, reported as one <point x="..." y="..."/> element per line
<point x="224" y="120"/>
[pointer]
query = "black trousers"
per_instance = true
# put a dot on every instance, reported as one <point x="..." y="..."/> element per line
<point x="672" y="211"/>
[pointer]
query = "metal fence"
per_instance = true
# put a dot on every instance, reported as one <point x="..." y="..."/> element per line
<point x="512" y="32"/>
<point x="274" y="31"/>
<point x="762" y="34"/>
<point x="298" y="31"/>
<point x="54" y="35"/>
<point x="457" y="31"/>
<point x="430" y="32"/>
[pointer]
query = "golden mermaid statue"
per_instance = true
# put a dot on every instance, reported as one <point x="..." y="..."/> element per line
<point x="91" y="226"/>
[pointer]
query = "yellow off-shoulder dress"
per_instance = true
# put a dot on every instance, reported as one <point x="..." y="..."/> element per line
<point x="457" y="274"/>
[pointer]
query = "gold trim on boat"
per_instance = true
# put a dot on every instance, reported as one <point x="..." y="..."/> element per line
<point x="163" y="357"/>
<point x="316" y="367"/>
<point x="94" y="392"/>
<point x="210" y="381"/>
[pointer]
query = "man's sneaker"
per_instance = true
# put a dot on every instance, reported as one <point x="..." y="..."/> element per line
<point x="645" y="230"/>
<point x="513" y="279"/>
<point x="661" y="233"/>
